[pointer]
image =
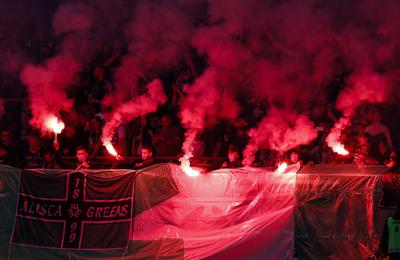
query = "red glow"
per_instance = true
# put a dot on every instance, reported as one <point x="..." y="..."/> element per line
<point x="185" y="166"/>
<point x="333" y="139"/>
<point x="339" y="149"/>
<point x="54" y="124"/>
<point x="282" y="167"/>
<point x="110" y="149"/>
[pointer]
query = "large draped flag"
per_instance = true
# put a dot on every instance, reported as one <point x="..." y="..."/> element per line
<point x="74" y="210"/>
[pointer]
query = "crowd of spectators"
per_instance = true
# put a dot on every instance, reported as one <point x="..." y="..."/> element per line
<point x="158" y="136"/>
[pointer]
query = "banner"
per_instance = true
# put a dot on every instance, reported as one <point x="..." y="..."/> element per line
<point x="73" y="210"/>
<point x="338" y="213"/>
<point x="324" y="211"/>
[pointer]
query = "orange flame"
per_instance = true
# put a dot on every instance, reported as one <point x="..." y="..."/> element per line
<point x="54" y="124"/>
<point x="282" y="168"/>
<point x="185" y="166"/>
<point x="110" y="149"/>
<point x="339" y="149"/>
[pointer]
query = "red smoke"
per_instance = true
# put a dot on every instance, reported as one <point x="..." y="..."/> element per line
<point x="255" y="50"/>
<point x="198" y="102"/>
<point x="281" y="130"/>
<point x="138" y="106"/>
<point x="73" y="17"/>
<point x="363" y="87"/>
<point x="281" y="52"/>
<point x="47" y="83"/>
<point x="47" y="86"/>
<point x="11" y="61"/>
<point x="159" y="35"/>
<point x="203" y="100"/>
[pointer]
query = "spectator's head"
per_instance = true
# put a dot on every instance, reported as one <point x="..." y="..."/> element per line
<point x="6" y="137"/>
<point x="96" y="124"/>
<point x="99" y="73"/>
<point x="375" y="116"/>
<point x="33" y="142"/>
<point x="81" y="154"/>
<point x="233" y="154"/>
<point x="49" y="156"/>
<point x="294" y="156"/>
<point x="144" y="121"/>
<point x="318" y="111"/>
<point x="166" y="120"/>
<point x="147" y="152"/>
<point x="69" y="131"/>
<point x="241" y="127"/>
<point x="3" y="150"/>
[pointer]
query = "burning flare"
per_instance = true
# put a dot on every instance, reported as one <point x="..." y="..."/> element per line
<point x="187" y="147"/>
<point x="339" y="149"/>
<point x="52" y="123"/>
<point x="333" y="138"/>
<point x="185" y="166"/>
<point x="110" y="148"/>
<point x="282" y="168"/>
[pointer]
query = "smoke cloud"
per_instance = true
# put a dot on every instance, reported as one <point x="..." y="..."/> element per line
<point x="138" y="106"/>
<point x="202" y="105"/>
<point x="47" y="83"/>
<point x="285" y="54"/>
<point x="158" y="35"/>
<point x="363" y="87"/>
<point x="281" y="130"/>
<point x="73" y="17"/>
<point x="47" y="86"/>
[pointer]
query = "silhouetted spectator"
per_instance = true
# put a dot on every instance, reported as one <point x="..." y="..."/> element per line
<point x="142" y="133"/>
<point x="362" y="151"/>
<point x="51" y="160"/>
<point x="33" y="156"/>
<point x="7" y="140"/>
<point x="215" y="140"/>
<point x="68" y="141"/>
<point x="121" y="139"/>
<point x="6" y="157"/>
<point x="378" y="133"/>
<point x="239" y="138"/>
<point x="234" y="158"/>
<point x="295" y="156"/>
<point x="94" y="129"/>
<point x="323" y="119"/>
<point x="167" y="140"/>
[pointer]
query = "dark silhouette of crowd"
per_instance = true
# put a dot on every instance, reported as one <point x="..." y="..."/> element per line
<point x="158" y="137"/>
<point x="372" y="137"/>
